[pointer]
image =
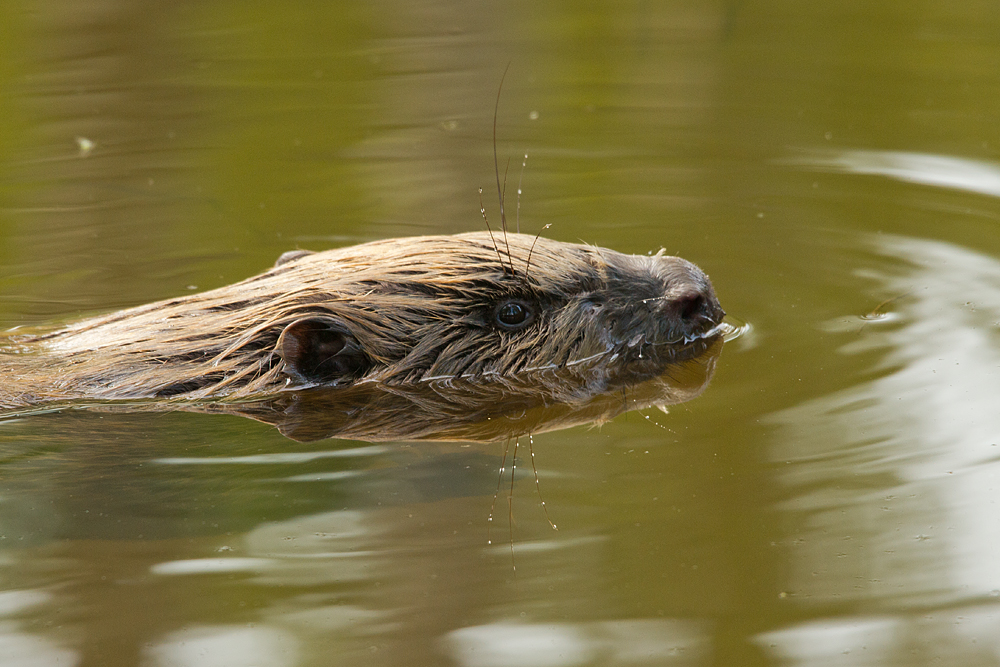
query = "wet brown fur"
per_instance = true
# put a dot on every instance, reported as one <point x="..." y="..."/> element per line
<point x="406" y="310"/>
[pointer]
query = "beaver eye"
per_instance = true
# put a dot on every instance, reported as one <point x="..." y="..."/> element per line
<point x="514" y="315"/>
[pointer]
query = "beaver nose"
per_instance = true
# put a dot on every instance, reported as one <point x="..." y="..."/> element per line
<point x="693" y="306"/>
<point x="689" y="305"/>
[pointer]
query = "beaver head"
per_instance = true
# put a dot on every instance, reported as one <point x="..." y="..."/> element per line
<point x="396" y="311"/>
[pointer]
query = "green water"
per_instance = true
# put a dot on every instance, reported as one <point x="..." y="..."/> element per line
<point x="829" y="500"/>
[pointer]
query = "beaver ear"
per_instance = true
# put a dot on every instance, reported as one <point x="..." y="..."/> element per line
<point x="291" y="256"/>
<point x="322" y="351"/>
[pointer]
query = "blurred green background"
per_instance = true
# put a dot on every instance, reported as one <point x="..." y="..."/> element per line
<point x="828" y="501"/>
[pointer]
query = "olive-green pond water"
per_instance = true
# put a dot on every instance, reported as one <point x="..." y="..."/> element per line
<point x="832" y="497"/>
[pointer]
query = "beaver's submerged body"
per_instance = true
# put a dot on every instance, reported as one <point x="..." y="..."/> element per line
<point x="397" y="311"/>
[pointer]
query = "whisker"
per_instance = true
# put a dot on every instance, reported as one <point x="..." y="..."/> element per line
<point x="517" y="215"/>
<point x="538" y="488"/>
<point x="496" y="165"/>
<point x="527" y="264"/>
<point x="482" y="209"/>
<point x="503" y="464"/>
<point x="510" y="505"/>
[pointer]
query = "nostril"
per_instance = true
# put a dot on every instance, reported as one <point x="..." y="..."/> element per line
<point x="690" y="305"/>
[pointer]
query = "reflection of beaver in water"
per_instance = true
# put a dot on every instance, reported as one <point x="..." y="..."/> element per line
<point x="471" y="409"/>
<point x="395" y="311"/>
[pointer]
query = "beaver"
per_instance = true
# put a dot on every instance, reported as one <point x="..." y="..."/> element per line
<point x="474" y="306"/>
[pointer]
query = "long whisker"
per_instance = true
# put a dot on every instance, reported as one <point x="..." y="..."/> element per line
<point x="517" y="215"/>
<point x="482" y="209"/>
<point x="503" y="219"/>
<point x="527" y="265"/>
<point x="503" y="464"/>
<point x="510" y="505"/>
<point x="496" y="166"/>
<point x="538" y="487"/>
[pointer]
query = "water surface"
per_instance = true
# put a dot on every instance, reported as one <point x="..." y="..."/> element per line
<point x="829" y="500"/>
